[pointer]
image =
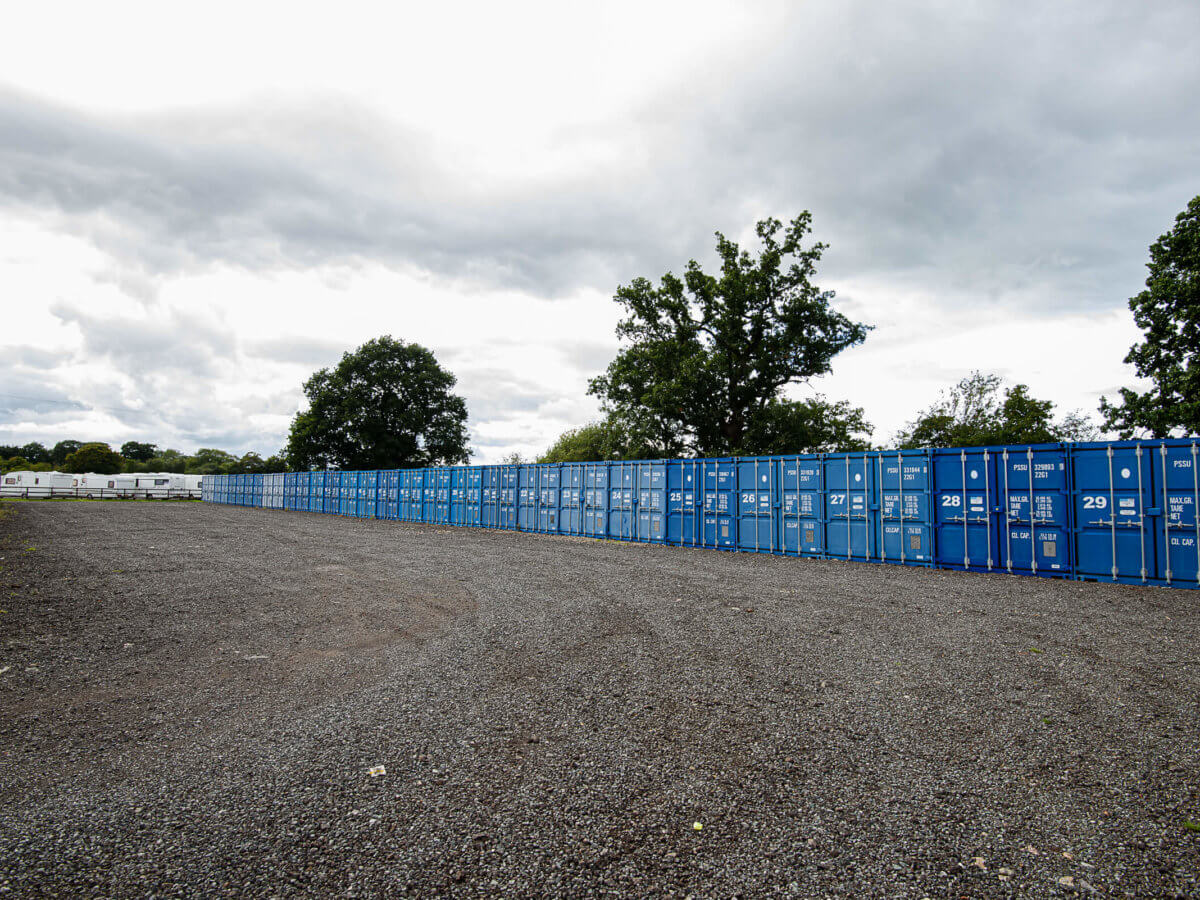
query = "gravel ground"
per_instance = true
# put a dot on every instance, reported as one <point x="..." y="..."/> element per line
<point x="193" y="695"/>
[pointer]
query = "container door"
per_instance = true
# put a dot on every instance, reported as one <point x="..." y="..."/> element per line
<point x="1178" y="534"/>
<point x="570" y="502"/>
<point x="595" y="499"/>
<point x="527" y="498"/>
<point x="720" y="493"/>
<point x="652" y="502"/>
<point x="905" y="532"/>
<point x="1035" y="502"/>
<point x="1113" y="488"/>
<point x="964" y="500"/>
<point x="620" y="505"/>
<point x="800" y="479"/>
<point x="848" y="495"/>
<point x="683" y="510"/>
<point x="756" y="505"/>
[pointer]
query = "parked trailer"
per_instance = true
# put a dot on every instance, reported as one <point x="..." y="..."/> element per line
<point x="1124" y="511"/>
<point x="162" y="485"/>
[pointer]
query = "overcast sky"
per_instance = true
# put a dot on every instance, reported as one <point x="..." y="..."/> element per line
<point x="198" y="210"/>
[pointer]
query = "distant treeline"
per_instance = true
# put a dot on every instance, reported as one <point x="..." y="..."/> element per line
<point x="80" y="456"/>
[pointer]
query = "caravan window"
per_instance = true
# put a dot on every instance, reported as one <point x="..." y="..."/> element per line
<point x="161" y="481"/>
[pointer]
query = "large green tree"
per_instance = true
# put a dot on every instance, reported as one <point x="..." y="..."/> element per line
<point x="138" y="451"/>
<point x="36" y="452"/>
<point x="605" y="439"/>
<point x="63" y="449"/>
<point x="94" y="457"/>
<point x="1168" y="312"/>
<point x="210" y="461"/>
<point x="386" y="405"/>
<point x="708" y="356"/>
<point x="974" y="413"/>
<point x="815" y="425"/>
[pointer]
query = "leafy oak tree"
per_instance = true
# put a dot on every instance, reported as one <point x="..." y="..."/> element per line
<point x="973" y="414"/>
<point x="63" y="449"/>
<point x="94" y="457"/>
<point x="1168" y="312"/>
<point x="809" y="426"/>
<point x="708" y="356"/>
<point x="606" y="439"/>
<point x="138" y="451"/>
<point x="386" y="405"/>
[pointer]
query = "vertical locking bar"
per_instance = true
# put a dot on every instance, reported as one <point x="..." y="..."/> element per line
<point x="1196" y="508"/>
<point x="1032" y="513"/>
<point x="1141" y="511"/>
<point x="1162" y="451"/>
<point x="987" y="505"/>
<point x="755" y="506"/>
<point x="1007" y="515"/>
<point x="867" y="497"/>
<point x="903" y="536"/>
<point x="883" y="510"/>
<point x="846" y="462"/>
<point x="962" y="458"/>
<point x="1112" y="513"/>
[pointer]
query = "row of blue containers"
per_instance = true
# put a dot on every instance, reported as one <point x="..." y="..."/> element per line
<point x="1122" y="511"/>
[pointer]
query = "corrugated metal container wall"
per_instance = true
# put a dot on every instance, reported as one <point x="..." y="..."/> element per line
<point x="1124" y="511"/>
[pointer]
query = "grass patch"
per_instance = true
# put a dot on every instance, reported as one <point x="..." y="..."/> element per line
<point x="102" y="500"/>
<point x="1189" y="825"/>
<point x="1036" y="650"/>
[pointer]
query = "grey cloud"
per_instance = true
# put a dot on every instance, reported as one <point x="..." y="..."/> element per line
<point x="312" y="352"/>
<point x="169" y="195"/>
<point x="493" y="394"/>
<point x="31" y="357"/>
<point x="990" y="153"/>
<point x="990" y="149"/>
<point x="164" y="342"/>
<point x="589" y="357"/>
<point x="24" y="395"/>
